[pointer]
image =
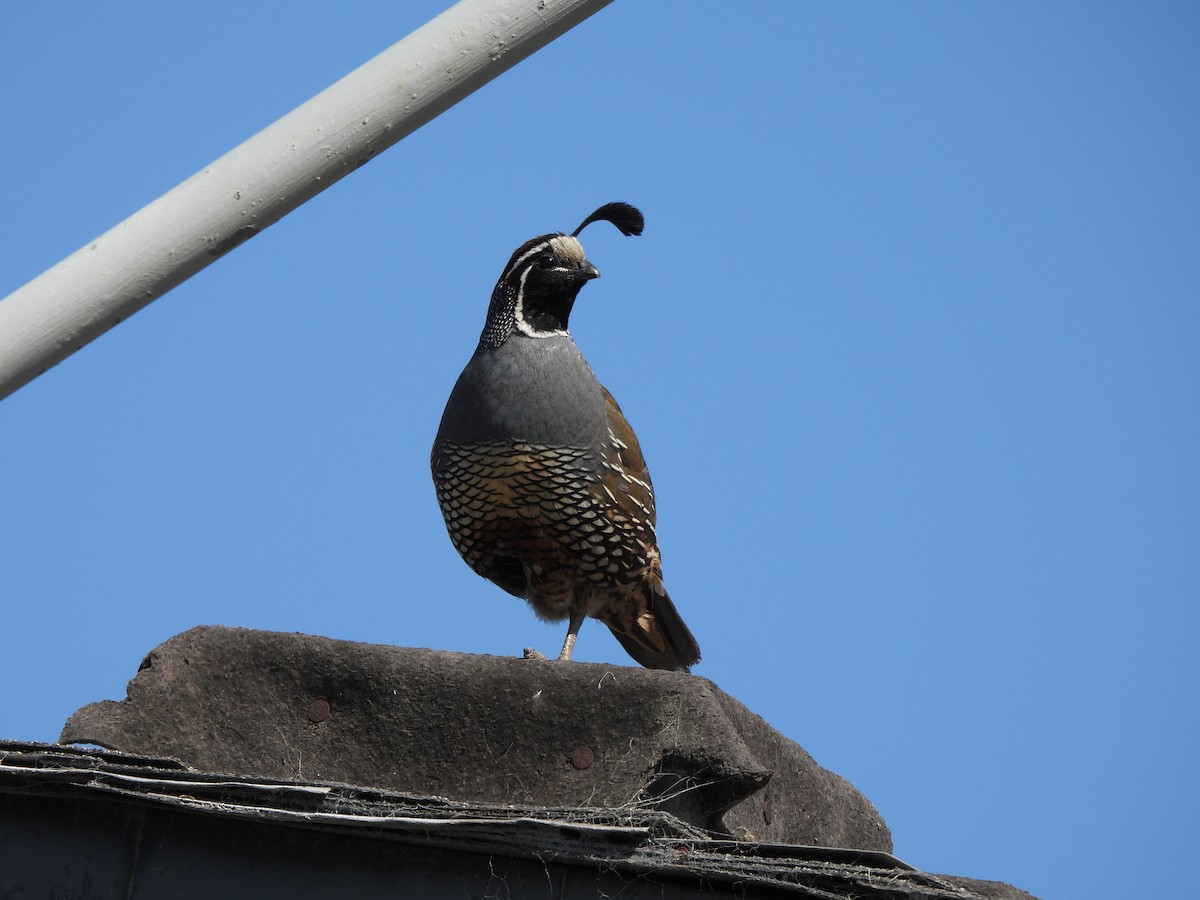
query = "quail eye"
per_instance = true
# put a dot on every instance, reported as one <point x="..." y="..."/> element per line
<point x="546" y="261"/>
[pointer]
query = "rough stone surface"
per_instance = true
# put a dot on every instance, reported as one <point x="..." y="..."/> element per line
<point x="477" y="728"/>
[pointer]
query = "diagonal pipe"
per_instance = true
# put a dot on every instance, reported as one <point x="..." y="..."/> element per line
<point x="260" y="181"/>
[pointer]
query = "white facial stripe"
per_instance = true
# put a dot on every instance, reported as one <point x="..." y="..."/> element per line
<point x="563" y="246"/>
<point x="532" y="251"/>
<point x="519" y="312"/>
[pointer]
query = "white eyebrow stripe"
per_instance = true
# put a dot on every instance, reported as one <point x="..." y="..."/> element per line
<point x="562" y="244"/>
<point x="532" y="251"/>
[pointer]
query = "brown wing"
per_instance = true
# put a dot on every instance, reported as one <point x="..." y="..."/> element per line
<point x="631" y="488"/>
<point x="648" y="627"/>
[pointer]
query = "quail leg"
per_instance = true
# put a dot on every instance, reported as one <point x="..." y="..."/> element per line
<point x="577" y="617"/>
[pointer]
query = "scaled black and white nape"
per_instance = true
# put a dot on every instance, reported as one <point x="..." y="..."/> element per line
<point x="539" y="476"/>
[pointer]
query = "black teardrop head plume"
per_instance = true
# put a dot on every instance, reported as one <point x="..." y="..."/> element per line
<point x="628" y="219"/>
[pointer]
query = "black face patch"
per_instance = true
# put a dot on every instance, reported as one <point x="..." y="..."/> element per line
<point x="547" y="295"/>
<point x="538" y="289"/>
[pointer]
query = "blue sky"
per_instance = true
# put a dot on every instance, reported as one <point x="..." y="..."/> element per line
<point x="910" y="343"/>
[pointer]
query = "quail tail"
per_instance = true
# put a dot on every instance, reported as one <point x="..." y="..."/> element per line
<point x="657" y="638"/>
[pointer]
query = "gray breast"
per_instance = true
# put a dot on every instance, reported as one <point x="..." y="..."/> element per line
<point x="530" y="390"/>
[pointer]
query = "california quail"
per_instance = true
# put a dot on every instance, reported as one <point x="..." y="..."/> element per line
<point x="539" y="477"/>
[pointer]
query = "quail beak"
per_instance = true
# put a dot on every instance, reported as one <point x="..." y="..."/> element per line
<point x="587" y="271"/>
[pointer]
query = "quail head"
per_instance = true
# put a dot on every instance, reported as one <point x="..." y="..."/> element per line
<point x="539" y="477"/>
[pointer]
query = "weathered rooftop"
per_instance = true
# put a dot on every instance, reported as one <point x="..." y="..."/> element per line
<point x="359" y="770"/>
<point x="478" y="728"/>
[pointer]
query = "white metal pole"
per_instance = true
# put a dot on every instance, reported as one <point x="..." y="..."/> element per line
<point x="259" y="182"/>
